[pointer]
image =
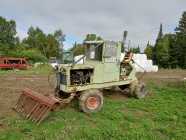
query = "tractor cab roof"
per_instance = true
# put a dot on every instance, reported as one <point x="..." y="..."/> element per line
<point x="94" y="42"/>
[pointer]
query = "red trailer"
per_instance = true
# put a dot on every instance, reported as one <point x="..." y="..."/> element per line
<point x="13" y="63"/>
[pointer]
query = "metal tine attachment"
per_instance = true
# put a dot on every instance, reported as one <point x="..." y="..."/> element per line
<point x="34" y="106"/>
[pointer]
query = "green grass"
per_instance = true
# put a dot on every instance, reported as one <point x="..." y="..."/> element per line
<point x="40" y="70"/>
<point x="160" y="116"/>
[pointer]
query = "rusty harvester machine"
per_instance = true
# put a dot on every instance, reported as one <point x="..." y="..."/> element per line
<point x="102" y="69"/>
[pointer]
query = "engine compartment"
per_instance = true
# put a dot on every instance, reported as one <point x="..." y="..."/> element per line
<point x="80" y="76"/>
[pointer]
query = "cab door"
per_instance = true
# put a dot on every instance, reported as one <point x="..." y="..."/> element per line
<point x="111" y="62"/>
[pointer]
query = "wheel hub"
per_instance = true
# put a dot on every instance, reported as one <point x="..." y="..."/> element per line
<point x="92" y="103"/>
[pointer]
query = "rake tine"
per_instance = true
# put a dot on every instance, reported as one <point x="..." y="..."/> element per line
<point x="42" y="113"/>
<point x="44" y="116"/>
<point x="20" y="98"/>
<point x="18" y="105"/>
<point x="34" y="114"/>
<point x="27" y="107"/>
<point x="38" y="113"/>
<point x="32" y="110"/>
<point x="22" y="104"/>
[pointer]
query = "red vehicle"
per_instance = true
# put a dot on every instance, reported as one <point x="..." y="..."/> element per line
<point x="13" y="63"/>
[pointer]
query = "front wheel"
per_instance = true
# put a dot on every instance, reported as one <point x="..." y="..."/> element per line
<point x="91" y="101"/>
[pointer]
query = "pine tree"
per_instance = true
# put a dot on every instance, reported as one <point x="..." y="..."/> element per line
<point x="135" y="50"/>
<point x="181" y="29"/>
<point x="160" y="34"/>
<point x="162" y="49"/>
<point x="148" y="50"/>
<point x="173" y="51"/>
<point x="181" y="41"/>
<point x="154" y="55"/>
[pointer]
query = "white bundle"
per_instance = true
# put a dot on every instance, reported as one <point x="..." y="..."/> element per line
<point x="155" y="68"/>
<point x="143" y="64"/>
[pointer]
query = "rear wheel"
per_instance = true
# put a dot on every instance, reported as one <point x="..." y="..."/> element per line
<point x="141" y="91"/>
<point x="135" y="89"/>
<point x="138" y="90"/>
<point x="125" y="89"/>
<point x="91" y="101"/>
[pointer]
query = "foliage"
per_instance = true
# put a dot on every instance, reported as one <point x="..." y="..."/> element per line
<point x="135" y="50"/>
<point x="92" y="37"/>
<point x="60" y="37"/>
<point x="46" y="44"/>
<point x="169" y="50"/>
<point x="173" y="52"/>
<point x="78" y="49"/>
<point x="33" y="55"/>
<point x="148" y="51"/>
<point x="162" y="53"/>
<point x="8" y="37"/>
<point x="158" y="43"/>
<point x="38" y="46"/>
<point x="181" y="40"/>
<point x="52" y="46"/>
<point x="160" y="116"/>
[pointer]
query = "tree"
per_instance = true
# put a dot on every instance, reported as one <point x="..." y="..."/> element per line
<point x="159" y="37"/>
<point x="148" y="50"/>
<point x="181" y="41"/>
<point x="173" y="51"/>
<point x="52" y="46"/>
<point x="92" y="37"/>
<point x="181" y="29"/>
<point x="78" y="49"/>
<point x="160" y="34"/>
<point x="158" y="40"/>
<point x="135" y="50"/>
<point x="46" y="44"/>
<point x="60" y="37"/>
<point x="162" y="51"/>
<point x="8" y="32"/>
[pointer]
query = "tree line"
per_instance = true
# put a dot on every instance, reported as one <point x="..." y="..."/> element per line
<point x="37" y="46"/>
<point x="169" y="50"/>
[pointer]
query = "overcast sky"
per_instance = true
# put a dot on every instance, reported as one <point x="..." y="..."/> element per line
<point x="107" y="18"/>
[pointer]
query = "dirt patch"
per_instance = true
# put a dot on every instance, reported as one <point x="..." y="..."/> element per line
<point x="163" y="76"/>
<point x="2" y="126"/>
<point x="12" y="85"/>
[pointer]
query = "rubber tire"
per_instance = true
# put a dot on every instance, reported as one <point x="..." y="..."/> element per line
<point x="125" y="89"/>
<point x="141" y="91"/>
<point x="138" y="90"/>
<point x="132" y="88"/>
<point x="90" y="93"/>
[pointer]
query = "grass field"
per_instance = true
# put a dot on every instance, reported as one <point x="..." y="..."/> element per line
<point x="160" y="116"/>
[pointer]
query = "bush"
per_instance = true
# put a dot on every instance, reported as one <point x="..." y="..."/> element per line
<point x="31" y="55"/>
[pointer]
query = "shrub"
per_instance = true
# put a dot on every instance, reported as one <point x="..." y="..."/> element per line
<point x="31" y="55"/>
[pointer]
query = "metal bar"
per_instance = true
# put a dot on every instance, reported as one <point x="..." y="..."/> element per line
<point x="35" y="106"/>
<point x="44" y="116"/>
<point x="32" y="118"/>
<point x="42" y="113"/>
<point x="39" y="111"/>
